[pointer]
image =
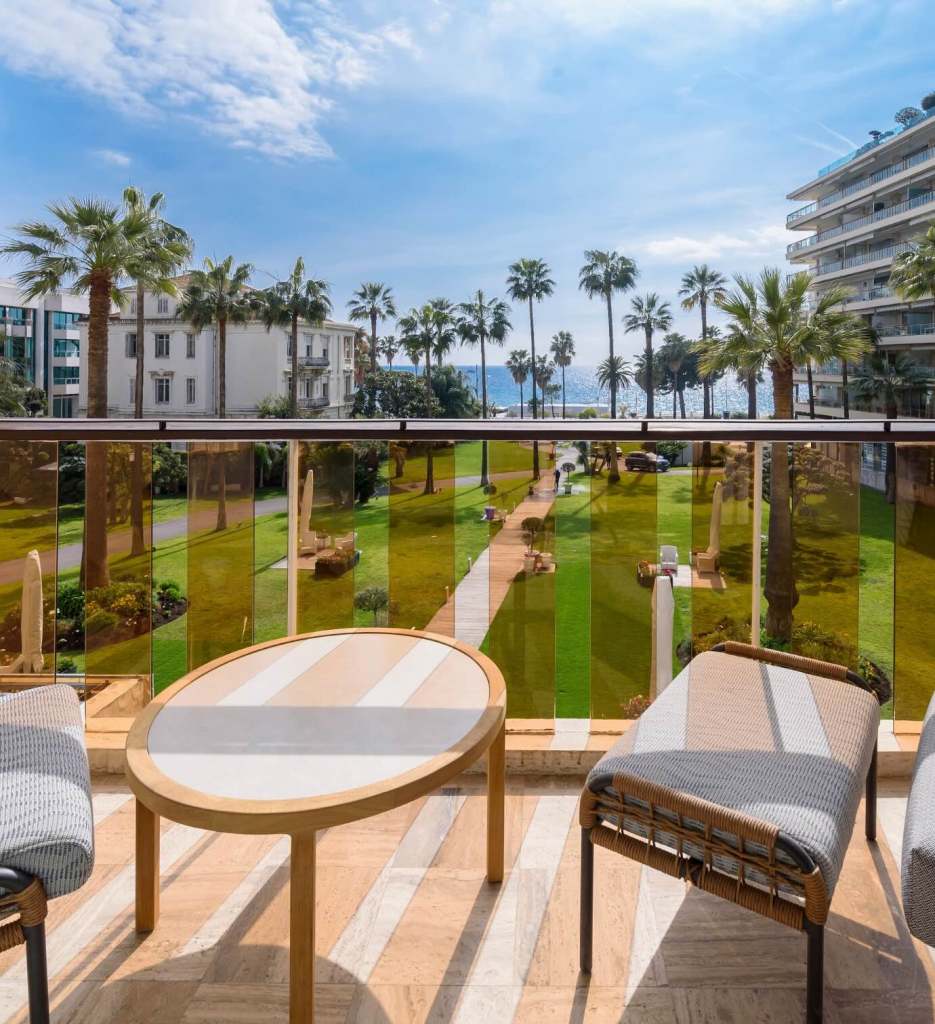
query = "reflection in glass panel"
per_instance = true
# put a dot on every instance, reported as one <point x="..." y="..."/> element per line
<point x="118" y="610"/>
<point x="722" y="544"/>
<point x="271" y="540"/>
<point x="220" y="549"/>
<point x="472" y="535"/>
<point x="572" y="582"/>
<point x="371" y="525"/>
<point x="28" y="496"/>
<point x="421" y="537"/>
<point x="170" y="563"/>
<point x="826" y="558"/>
<point x="326" y="544"/>
<point x="69" y="617"/>
<point x="914" y="679"/>
<point x="623" y="554"/>
<point x="521" y="596"/>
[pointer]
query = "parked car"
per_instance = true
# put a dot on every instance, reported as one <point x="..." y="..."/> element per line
<point x="646" y="462"/>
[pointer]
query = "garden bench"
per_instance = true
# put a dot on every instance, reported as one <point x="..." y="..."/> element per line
<point x="743" y="778"/>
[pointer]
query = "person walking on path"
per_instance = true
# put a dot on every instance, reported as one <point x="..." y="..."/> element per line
<point x="558" y="476"/>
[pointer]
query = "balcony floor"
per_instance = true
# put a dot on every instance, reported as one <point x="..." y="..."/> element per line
<point x="408" y="929"/>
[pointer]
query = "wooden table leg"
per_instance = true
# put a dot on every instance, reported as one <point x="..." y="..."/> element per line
<point x="496" y="787"/>
<point x="302" y="930"/>
<point x="147" y="868"/>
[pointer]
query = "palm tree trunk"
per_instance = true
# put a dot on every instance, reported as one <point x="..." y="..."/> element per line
<point x="705" y="386"/>
<point x="294" y="384"/>
<point x="138" y="544"/>
<point x="373" y="341"/>
<point x="484" y="478"/>
<point x="610" y="337"/>
<point x="140" y="355"/>
<point x="222" y="367"/>
<point x="96" y="573"/>
<point x="650" y="404"/>
<point x="845" y="397"/>
<point x="682" y="400"/>
<point x="563" y="391"/>
<point x="222" y="490"/>
<point x="811" y="389"/>
<point x="522" y="403"/>
<point x="535" y="402"/>
<point x="781" y="593"/>
<point x="751" y="396"/>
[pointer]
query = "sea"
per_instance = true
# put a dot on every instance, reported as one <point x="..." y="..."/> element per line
<point x="582" y="391"/>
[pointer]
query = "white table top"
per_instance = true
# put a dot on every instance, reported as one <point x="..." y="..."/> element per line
<point x="318" y="716"/>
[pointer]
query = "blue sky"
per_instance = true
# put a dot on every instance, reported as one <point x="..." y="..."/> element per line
<point x="429" y="143"/>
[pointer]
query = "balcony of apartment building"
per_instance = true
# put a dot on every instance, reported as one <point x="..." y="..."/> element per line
<point x="885" y="211"/>
<point x="141" y="560"/>
<point x="895" y="172"/>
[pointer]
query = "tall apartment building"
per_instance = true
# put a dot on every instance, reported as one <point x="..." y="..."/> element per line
<point x="863" y="210"/>
<point x="41" y="336"/>
<point x="181" y="364"/>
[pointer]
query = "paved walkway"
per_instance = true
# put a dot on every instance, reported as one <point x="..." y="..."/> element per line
<point x="479" y="595"/>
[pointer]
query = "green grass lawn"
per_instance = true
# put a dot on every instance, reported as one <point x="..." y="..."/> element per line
<point x="573" y="644"/>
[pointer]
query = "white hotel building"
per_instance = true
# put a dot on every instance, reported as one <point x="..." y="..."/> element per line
<point x="862" y="211"/>
<point x="181" y="365"/>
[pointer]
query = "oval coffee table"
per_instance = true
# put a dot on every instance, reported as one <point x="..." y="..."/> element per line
<point x="296" y="735"/>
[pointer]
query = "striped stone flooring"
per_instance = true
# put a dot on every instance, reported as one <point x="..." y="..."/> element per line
<point x="410" y="931"/>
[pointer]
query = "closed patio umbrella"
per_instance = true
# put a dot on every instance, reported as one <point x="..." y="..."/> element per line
<point x="30" y="658"/>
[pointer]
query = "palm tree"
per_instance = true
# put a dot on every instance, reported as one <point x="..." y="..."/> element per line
<point x="217" y="295"/>
<point x="388" y="346"/>
<point x="886" y="378"/>
<point x="481" y="321"/>
<point x="650" y="314"/>
<point x="418" y="331"/>
<point x="739" y="348"/>
<point x="529" y="281"/>
<point x="700" y="286"/>
<point x="783" y="335"/>
<point x="545" y="371"/>
<point x="88" y="246"/>
<point x="563" y="351"/>
<point x="163" y="252"/>
<point x="676" y="351"/>
<point x="372" y="301"/>
<point x="603" y="274"/>
<point x="614" y="372"/>
<point x="519" y="364"/>
<point x="552" y="391"/>
<point x="285" y="304"/>
<point x="446" y="333"/>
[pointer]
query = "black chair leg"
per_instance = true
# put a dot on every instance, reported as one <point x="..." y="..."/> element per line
<point x="814" y="995"/>
<point x="37" y="974"/>
<point x="587" y="899"/>
<point x="870" y="802"/>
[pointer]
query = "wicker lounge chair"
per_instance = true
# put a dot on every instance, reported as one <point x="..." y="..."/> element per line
<point x="743" y="778"/>
<point x="46" y="821"/>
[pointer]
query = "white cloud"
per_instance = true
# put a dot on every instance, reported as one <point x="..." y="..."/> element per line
<point x="767" y="241"/>
<point x="256" y="73"/>
<point x="113" y="156"/>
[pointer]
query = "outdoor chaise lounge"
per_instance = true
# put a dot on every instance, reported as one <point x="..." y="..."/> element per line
<point x="743" y="778"/>
<point x="46" y="822"/>
<point x="918" y="852"/>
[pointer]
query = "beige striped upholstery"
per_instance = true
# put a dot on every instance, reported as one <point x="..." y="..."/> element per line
<point x="778" y="745"/>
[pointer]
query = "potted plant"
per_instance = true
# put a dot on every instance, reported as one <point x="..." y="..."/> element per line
<point x="568" y="468"/>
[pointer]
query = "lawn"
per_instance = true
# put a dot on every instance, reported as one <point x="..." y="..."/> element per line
<point x="575" y="643"/>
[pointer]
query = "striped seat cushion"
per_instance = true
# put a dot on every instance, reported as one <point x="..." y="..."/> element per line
<point x="46" y="822"/>
<point x="776" y="744"/>
<point x="918" y="855"/>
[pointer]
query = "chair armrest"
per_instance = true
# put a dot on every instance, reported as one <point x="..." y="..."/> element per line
<point x="812" y="666"/>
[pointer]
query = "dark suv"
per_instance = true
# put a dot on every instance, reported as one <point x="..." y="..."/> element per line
<point x="646" y="462"/>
